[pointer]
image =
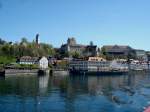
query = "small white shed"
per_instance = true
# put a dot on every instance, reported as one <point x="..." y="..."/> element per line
<point x="43" y="63"/>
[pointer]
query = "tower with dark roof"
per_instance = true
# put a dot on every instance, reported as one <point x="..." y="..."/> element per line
<point x="37" y="39"/>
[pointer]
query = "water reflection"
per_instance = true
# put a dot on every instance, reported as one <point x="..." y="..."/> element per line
<point x="75" y="93"/>
<point x="22" y="85"/>
<point x="43" y="83"/>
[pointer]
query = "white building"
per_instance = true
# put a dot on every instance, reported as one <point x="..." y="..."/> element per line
<point x="43" y="63"/>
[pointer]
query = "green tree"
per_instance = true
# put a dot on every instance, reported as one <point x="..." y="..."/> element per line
<point x="103" y="51"/>
<point x="2" y="42"/>
<point x="75" y="55"/>
<point x="24" y="40"/>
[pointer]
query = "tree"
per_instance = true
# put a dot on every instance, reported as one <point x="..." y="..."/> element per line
<point x="25" y="48"/>
<point x="75" y="55"/>
<point x="24" y="41"/>
<point x="91" y="43"/>
<point x="103" y="51"/>
<point x="2" y="42"/>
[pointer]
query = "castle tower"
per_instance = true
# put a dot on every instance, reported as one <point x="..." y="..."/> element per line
<point x="37" y="39"/>
<point x="71" y="41"/>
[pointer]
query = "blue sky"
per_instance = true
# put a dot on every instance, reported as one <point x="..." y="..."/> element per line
<point x="125" y="22"/>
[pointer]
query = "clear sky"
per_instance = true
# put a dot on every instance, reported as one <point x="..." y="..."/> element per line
<point x="105" y="22"/>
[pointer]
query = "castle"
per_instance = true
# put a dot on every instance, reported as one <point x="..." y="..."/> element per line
<point x="83" y="50"/>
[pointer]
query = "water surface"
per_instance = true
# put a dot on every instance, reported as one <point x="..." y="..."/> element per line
<point x="31" y="93"/>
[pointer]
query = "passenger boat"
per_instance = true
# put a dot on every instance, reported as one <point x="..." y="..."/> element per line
<point x="101" y="67"/>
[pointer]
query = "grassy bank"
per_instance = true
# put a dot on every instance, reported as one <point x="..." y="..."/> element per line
<point x="4" y="60"/>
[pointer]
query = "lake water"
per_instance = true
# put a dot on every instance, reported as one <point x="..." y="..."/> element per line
<point x="124" y="93"/>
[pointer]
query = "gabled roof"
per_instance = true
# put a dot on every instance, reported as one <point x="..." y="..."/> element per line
<point x="29" y="59"/>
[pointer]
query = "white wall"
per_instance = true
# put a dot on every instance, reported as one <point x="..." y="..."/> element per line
<point x="43" y="63"/>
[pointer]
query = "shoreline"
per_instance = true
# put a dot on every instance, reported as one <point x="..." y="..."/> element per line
<point x="21" y="71"/>
<point x="7" y="72"/>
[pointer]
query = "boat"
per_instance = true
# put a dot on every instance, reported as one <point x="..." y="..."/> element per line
<point x="78" y="72"/>
<point x="147" y="109"/>
<point x="97" y="67"/>
<point x="136" y="65"/>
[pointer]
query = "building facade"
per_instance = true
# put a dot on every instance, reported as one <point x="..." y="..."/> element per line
<point x="117" y="51"/>
<point x="141" y="55"/>
<point x="148" y="55"/>
<point x="84" y="50"/>
<point x="27" y="60"/>
<point x="43" y="63"/>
